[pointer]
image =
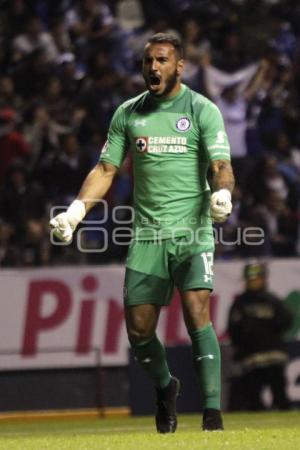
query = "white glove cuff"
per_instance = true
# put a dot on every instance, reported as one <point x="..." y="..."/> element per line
<point x="76" y="212"/>
<point x="224" y="192"/>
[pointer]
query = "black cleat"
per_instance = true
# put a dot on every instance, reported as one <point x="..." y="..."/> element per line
<point x="212" y="420"/>
<point x="166" y="419"/>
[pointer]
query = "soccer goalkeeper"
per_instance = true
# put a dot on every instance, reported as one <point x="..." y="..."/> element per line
<point x="174" y="136"/>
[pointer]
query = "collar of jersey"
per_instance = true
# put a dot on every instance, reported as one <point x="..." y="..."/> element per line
<point x="166" y="103"/>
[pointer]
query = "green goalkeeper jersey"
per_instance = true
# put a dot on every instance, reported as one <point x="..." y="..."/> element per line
<point x="171" y="142"/>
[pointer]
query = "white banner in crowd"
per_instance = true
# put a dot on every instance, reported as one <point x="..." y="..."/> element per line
<point x="216" y="80"/>
<point x="68" y="317"/>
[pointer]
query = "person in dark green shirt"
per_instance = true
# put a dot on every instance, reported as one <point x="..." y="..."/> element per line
<point x="174" y="136"/>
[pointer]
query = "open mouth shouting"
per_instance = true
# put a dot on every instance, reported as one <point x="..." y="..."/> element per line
<point x="154" y="82"/>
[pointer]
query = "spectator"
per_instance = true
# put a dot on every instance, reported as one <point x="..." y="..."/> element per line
<point x="283" y="38"/>
<point x="278" y="222"/>
<point x="256" y="323"/>
<point x="232" y="57"/>
<point x="280" y="104"/>
<point x="32" y="74"/>
<point x="58" y="107"/>
<point x="12" y="143"/>
<point x="233" y="103"/>
<point x="101" y="97"/>
<point x="71" y="75"/>
<point x="16" y="14"/>
<point x="91" y="25"/>
<point x="21" y="200"/>
<point x="129" y="14"/>
<point x="34" y="39"/>
<point x="60" y="36"/>
<point x="36" y="250"/>
<point x="9" y="253"/>
<point x="8" y="95"/>
<point x="42" y="133"/>
<point x="197" y="47"/>
<point x="68" y="169"/>
<point x="289" y="167"/>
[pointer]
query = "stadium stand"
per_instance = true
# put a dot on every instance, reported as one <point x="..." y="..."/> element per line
<point x="66" y="65"/>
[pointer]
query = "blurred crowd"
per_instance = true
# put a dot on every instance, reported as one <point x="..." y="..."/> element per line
<point x="65" y="65"/>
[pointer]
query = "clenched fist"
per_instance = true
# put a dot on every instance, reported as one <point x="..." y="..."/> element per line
<point x="220" y="205"/>
<point x="64" y="224"/>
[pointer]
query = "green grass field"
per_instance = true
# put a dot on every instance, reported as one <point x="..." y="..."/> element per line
<point x="276" y="431"/>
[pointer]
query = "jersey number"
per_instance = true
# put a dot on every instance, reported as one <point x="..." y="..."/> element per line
<point x="208" y="261"/>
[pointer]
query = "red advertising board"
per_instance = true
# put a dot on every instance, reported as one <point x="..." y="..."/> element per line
<point x="72" y="317"/>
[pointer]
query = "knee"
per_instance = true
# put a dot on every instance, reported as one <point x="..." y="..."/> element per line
<point x="199" y="304"/>
<point x="204" y="303"/>
<point x="138" y="335"/>
<point x="141" y="322"/>
<point x="139" y="331"/>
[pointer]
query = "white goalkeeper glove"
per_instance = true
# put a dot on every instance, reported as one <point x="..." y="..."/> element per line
<point x="64" y="224"/>
<point x="220" y="205"/>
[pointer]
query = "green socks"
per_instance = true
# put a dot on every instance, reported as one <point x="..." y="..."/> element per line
<point x="152" y="357"/>
<point x="206" y="352"/>
<point x="207" y="361"/>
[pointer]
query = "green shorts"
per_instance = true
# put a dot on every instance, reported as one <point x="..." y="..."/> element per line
<point x="153" y="268"/>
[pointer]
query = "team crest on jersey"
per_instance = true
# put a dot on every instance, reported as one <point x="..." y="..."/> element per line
<point x="183" y="124"/>
<point x="141" y="144"/>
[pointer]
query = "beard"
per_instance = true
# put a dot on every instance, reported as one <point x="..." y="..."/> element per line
<point x="170" y="83"/>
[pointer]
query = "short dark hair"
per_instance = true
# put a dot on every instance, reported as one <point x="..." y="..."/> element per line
<point x="167" y="38"/>
<point x="255" y="269"/>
